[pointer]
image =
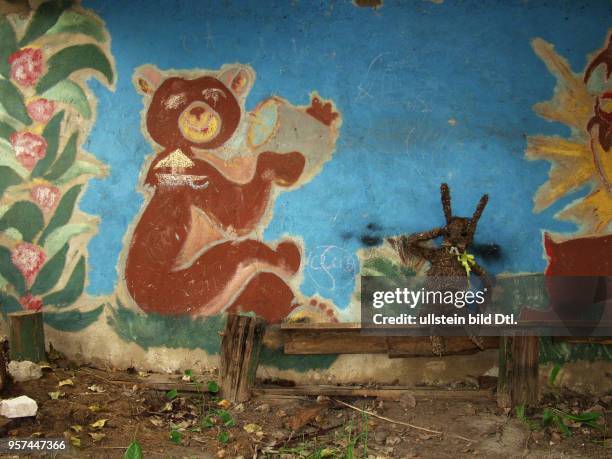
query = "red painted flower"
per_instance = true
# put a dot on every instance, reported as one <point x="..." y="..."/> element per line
<point x="45" y="196"/>
<point x="26" y="66"/>
<point x="28" y="258"/>
<point x="29" y="148"/>
<point x="33" y="303"/>
<point x="41" y="110"/>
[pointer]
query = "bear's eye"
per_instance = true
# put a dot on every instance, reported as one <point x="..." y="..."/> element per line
<point x="212" y="94"/>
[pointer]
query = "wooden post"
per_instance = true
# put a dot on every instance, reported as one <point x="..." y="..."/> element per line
<point x="27" y="341"/>
<point x="240" y="348"/>
<point x="517" y="383"/>
<point x="504" y="397"/>
<point x="3" y="369"/>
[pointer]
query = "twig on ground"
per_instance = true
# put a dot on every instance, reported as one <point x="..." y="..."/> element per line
<point x="393" y="421"/>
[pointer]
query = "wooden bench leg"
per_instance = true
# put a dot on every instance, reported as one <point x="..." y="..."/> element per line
<point x="517" y="383"/>
<point x="27" y="339"/>
<point x="240" y="348"/>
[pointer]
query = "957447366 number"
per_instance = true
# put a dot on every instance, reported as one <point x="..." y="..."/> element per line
<point x="29" y="445"/>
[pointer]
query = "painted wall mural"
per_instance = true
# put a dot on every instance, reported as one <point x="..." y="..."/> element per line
<point x="47" y="112"/>
<point x="256" y="156"/>
<point x="196" y="247"/>
<point x="581" y="102"/>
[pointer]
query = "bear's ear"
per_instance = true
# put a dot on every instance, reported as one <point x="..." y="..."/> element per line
<point x="238" y="78"/>
<point x="147" y="79"/>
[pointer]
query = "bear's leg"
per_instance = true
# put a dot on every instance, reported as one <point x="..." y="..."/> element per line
<point x="229" y="256"/>
<point x="211" y="283"/>
<point x="268" y="296"/>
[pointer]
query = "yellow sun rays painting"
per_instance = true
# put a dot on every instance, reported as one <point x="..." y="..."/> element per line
<point x="583" y="102"/>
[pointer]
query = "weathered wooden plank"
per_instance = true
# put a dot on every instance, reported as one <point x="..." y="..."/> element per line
<point x="383" y="392"/>
<point x="504" y="396"/>
<point x="239" y="356"/>
<point x="27" y="336"/>
<point x="584" y="340"/>
<point x="420" y="346"/>
<point x="351" y="340"/>
<point x="517" y="383"/>
<point x="525" y="370"/>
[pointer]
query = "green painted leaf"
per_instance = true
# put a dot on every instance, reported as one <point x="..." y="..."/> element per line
<point x="68" y="60"/>
<point x="72" y="321"/>
<point x="7" y="158"/>
<point x="62" y="213"/>
<point x="10" y="272"/>
<point x="50" y="273"/>
<point x="69" y="92"/>
<point x="26" y="217"/>
<point x="9" y="45"/>
<point x="72" y="290"/>
<point x="12" y="101"/>
<point x="8" y="177"/>
<point x="14" y="234"/>
<point x="80" y="168"/>
<point x="6" y="130"/>
<point x="171" y="394"/>
<point x="44" y="18"/>
<point x="74" y="22"/>
<point x="8" y="304"/>
<point x="60" y="236"/>
<point x="65" y="161"/>
<point x="52" y="136"/>
<point x="134" y="451"/>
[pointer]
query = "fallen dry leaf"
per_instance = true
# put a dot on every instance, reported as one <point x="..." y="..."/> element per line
<point x="303" y="416"/>
<point x="225" y="404"/>
<point x="65" y="382"/>
<point x="407" y="401"/>
<point x="95" y="408"/>
<point x="55" y="395"/>
<point x="75" y="441"/>
<point x="167" y="407"/>
<point x="76" y="428"/>
<point x="96" y="388"/>
<point x="251" y="428"/>
<point x="157" y="422"/>
<point x="96" y="436"/>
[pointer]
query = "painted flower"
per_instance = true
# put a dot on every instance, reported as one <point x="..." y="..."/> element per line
<point x="46" y="196"/>
<point x="33" y="303"/>
<point x="26" y="66"/>
<point x="41" y="110"/>
<point x="29" y="148"/>
<point x="28" y="258"/>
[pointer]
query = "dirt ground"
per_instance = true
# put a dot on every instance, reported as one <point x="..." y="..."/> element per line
<point x="202" y="425"/>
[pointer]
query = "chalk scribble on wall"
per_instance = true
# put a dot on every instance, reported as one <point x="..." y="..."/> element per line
<point x="46" y="113"/>
<point x="196" y="247"/>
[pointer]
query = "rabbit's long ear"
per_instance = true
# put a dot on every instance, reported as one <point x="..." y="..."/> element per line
<point x="477" y="213"/>
<point x="446" y="202"/>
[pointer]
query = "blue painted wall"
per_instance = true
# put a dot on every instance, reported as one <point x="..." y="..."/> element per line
<point x="398" y="75"/>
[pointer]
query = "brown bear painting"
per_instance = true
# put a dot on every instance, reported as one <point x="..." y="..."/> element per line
<point x="196" y="246"/>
